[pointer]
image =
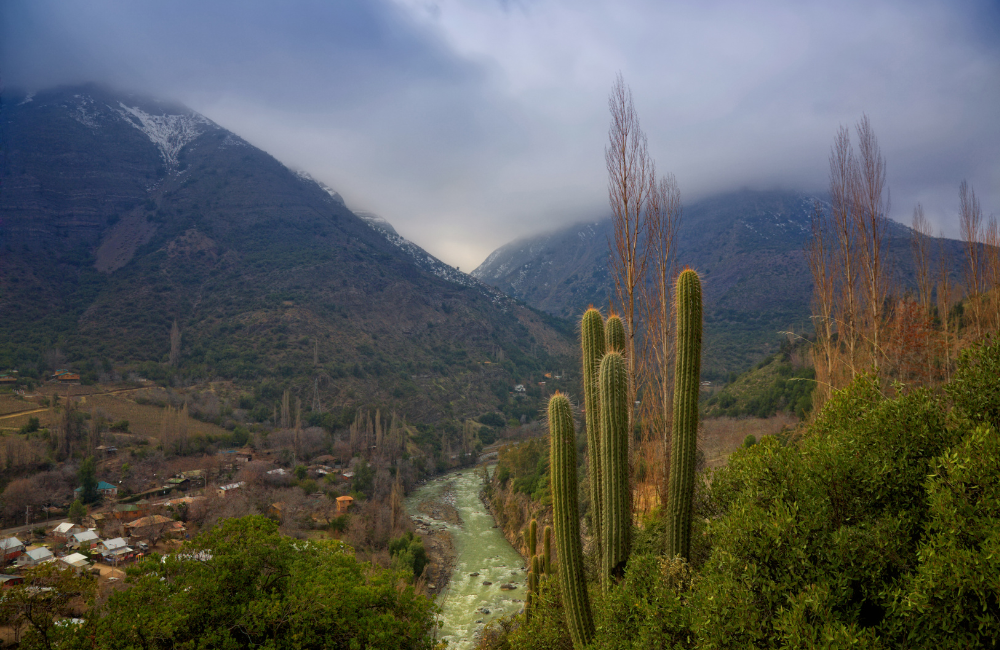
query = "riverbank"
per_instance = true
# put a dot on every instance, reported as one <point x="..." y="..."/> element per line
<point x="437" y="539"/>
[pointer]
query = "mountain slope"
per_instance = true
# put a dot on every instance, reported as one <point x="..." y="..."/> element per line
<point x="748" y="247"/>
<point x="120" y="214"/>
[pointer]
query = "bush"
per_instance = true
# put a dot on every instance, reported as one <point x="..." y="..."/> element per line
<point x="408" y="552"/>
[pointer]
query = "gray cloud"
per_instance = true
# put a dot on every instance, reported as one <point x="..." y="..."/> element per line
<point x="467" y="122"/>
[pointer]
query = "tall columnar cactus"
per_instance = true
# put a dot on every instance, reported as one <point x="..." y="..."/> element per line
<point x="593" y="344"/>
<point x="617" y="500"/>
<point x="566" y="518"/>
<point x="615" y="333"/>
<point x="547" y="551"/>
<point x="533" y="538"/>
<point x="683" y="448"/>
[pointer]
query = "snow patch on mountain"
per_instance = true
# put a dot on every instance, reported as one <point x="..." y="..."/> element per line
<point x="305" y="176"/>
<point x="170" y="133"/>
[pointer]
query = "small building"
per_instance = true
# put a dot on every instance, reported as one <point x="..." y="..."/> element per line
<point x="177" y="483"/>
<point x="126" y="512"/>
<point x="519" y="388"/>
<point x="77" y="561"/>
<point x="115" y="551"/>
<point x="343" y="503"/>
<point x="104" y="488"/>
<point x="281" y="471"/>
<point x="86" y="537"/>
<point x="243" y="456"/>
<point x="7" y="379"/>
<point x="225" y="490"/>
<point x="62" y="532"/>
<point x="35" y="556"/>
<point x="108" y="450"/>
<point x="10" y="581"/>
<point x="10" y="549"/>
<point x="146" y="527"/>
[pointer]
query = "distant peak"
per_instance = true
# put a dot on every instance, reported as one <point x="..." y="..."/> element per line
<point x="376" y="222"/>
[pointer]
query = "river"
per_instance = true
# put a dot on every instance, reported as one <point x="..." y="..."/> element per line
<point x="482" y="555"/>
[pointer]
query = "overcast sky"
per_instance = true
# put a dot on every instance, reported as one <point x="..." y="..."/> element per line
<point x="468" y="123"/>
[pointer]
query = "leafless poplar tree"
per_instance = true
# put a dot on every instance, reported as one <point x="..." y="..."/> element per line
<point x="824" y="271"/>
<point x="870" y="210"/>
<point x="629" y="166"/>
<point x="971" y="222"/>
<point x="944" y="304"/>
<point x="920" y="242"/>
<point x="843" y="178"/>
<point x="663" y="214"/>
<point x="991" y="274"/>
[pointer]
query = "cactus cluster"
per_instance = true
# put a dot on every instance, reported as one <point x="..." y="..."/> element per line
<point x="683" y="448"/>
<point x="606" y="395"/>
<point x="566" y="517"/>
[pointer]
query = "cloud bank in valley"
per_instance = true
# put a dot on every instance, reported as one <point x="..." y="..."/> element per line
<point x="467" y="123"/>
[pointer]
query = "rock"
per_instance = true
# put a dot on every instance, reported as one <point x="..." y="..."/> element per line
<point x="487" y="583"/>
<point x="507" y="586"/>
<point x="474" y="575"/>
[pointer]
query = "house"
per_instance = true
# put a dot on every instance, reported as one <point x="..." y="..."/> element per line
<point x="230" y="488"/>
<point x="126" y="512"/>
<point x="107" y="449"/>
<point x="244" y="456"/>
<point x="76" y="561"/>
<point x="85" y="537"/>
<point x="66" y="377"/>
<point x="177" y="483"/>
<point x="63" y="531"/>
<point x="7" y="379"/>
<point x="519" y="388"/>
<point x="35" y="556"/>
<point x="104" y="488"/>
<point x="10" y="549"/>
<point x="343" y="503"/>
<point x="115" y="550"/>
<point x="147" y="527"/>
<point x="281" y="471"/>
<point x="10" y="581"/>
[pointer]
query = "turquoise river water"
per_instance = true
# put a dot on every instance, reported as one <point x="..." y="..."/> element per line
<point x="467" y="603"/>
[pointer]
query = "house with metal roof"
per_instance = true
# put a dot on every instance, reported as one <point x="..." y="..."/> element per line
<point x="85" y="537"/>
<point x="104" y="488"/>
<point x="35" y="556"/>
<point x="10" y="549"/>
<point x="76" y="561"/>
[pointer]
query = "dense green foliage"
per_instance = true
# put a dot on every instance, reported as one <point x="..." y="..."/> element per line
<point x="408" y="552"/>
<point x="774" y="385"/>
<point x="684" y="437"/>
<point x="877" y="527"/>
<point x="243" y="585"/>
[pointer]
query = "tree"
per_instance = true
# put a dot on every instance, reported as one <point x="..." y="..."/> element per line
<point x="77" y="512"/>
<point x="242" y="585"/>
<point x="87" y="477"/>
<point x="48" y="590"/>
<point x="629" y="172"/>
<point x="970" y="221"/>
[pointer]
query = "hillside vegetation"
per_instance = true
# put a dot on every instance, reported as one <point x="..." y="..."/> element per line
<point x="875" y="528"/>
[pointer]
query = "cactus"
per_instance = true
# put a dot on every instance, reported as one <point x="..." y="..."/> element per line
<point x="617" y="500"/>
<point x="566" y="518"/>
<point x="532" y="538"/>
<point x="593" y="344"/>
<point x="547" y="551"/>
<point x="615" y="334"/>
<point x="683" y="448"/>
<point x="536" y="563"/>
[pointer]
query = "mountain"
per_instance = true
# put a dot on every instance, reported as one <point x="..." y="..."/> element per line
<point x="120" y="214"/>
<point x="748" y="246"/>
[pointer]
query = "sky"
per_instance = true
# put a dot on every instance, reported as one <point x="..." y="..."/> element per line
<point x="470" y="123"/>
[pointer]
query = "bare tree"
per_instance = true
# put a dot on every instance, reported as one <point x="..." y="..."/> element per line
<point x="971" y="220"/>
<point x="991" y="269"/>
<point x="823" y="268"/>
<point x="870" y="210"/>
<point x="843" y="177"/>
<point x="944" y="304"/>
<point x="629" y="167"/>
<point x="663" y="214"/>
<point x="920" y="242"/>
